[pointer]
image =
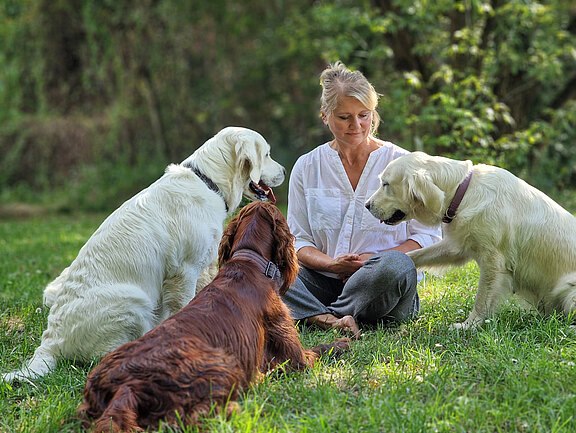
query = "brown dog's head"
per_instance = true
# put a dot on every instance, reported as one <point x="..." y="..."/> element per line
<point x="261" y="227"/>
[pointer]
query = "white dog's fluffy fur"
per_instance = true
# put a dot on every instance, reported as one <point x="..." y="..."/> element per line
<point x="523" y="241"/>
<point x="143" y="263"/>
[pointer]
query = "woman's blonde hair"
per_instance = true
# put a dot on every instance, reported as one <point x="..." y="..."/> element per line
<point x="337" y="80"/>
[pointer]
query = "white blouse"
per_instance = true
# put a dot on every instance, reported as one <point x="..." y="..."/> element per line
<point x="326" y="213"/>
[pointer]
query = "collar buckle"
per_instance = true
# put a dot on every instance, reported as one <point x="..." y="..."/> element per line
<point x="271" y="270"/>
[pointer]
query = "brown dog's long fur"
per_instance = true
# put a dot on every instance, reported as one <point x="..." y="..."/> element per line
<point x="233" y="331"/>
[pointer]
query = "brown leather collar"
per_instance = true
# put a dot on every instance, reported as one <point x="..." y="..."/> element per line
<point x="268" y="268"/>
<point x="460" y="191"/>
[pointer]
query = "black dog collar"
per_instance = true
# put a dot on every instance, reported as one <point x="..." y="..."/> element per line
<point x="209" y="183"/>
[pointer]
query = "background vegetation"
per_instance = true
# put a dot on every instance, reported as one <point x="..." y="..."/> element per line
<point x="98" y="96"/>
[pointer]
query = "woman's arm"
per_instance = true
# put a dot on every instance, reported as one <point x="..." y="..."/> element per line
<point x="344" y="265"/>
<point x="405" y="247"/>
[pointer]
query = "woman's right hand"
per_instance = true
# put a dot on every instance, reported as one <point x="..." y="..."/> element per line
<point x="345" y="265"/>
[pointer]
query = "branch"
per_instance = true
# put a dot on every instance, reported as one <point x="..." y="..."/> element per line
<point x="489" y="27"/>
<point x="566" y="94"/>
<point x="402" y="42"/>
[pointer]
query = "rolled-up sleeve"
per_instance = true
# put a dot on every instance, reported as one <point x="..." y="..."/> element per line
<point x="424" y="235"/>
<point x="297" y="215"/>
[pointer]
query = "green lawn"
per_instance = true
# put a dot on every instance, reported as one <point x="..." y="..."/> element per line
<point x="516" y="374"/>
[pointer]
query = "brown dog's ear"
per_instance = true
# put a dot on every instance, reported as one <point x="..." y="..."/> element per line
<point x="422" y="188"/>
<point x="284" y="252"/>
<point x="225" y="248"/>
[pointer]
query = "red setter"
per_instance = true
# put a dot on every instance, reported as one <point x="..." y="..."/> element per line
<point x="234" y="330"/>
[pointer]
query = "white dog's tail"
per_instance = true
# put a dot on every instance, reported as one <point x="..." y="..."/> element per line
<point x="41" y="363"/>
<point x="53" y="289"/>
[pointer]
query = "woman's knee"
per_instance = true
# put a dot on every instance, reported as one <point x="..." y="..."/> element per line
<point x="393" y="266"/>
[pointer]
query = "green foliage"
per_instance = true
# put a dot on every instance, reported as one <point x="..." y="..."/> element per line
<point x="549" y="144"/>
<point x="491" y="81"/>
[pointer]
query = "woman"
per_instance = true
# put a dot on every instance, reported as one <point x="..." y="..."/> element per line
<point x="353" y="269"/>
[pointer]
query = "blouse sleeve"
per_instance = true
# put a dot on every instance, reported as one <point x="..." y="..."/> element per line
<point x="297" y="214"/>
<point x="424" y="235"/>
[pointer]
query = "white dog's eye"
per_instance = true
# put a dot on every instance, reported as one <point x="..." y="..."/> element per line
<point x="385" y="184"/>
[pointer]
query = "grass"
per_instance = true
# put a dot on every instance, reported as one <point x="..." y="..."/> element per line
<point x="516" y="374"/>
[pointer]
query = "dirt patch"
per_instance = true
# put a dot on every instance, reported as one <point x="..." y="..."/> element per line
<point x="21" y="211"/>
<point x="14" y="324"/>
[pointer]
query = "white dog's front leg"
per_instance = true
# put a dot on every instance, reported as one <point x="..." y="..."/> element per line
<point x="443" y="253"/>
<point x="177" y="291"/>
<point x="494" y="286"/>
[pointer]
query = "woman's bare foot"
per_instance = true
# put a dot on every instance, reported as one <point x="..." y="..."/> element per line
<point x="329" y="321"/>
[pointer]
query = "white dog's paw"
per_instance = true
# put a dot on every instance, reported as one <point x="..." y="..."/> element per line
<point x="467" y="325"/>
<point x="455" y="326"/>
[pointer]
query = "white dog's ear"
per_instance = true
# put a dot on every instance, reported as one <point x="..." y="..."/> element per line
<point x="248" y="154"/>
<point x="422" y="188"/>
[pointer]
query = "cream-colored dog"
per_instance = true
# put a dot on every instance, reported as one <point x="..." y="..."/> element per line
<point x="523" y="241"/>
<point x="142" y="264"/>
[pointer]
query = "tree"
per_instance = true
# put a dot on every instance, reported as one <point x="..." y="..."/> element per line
<point x="146" y="82"/>
<point x="492" y="80"/>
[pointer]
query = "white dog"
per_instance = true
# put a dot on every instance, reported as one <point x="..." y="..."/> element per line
<point x="523" y="241"/>
<point x="142" y="264"/>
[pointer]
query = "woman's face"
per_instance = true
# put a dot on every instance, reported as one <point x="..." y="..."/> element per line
<point x="350" y="122"/>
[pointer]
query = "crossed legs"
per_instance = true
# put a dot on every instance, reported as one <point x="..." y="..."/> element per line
<point x="383" y="290"/>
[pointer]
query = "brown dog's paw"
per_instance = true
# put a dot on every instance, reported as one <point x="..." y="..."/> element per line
<point x="232" y="408"/>
<point x="333" y="349"/>
<point x="341" y="345"/>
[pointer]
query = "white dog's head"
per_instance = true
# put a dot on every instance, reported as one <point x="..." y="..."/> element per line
<point x="253" y="157"/>
<point x="238" y="161"/>
<point x="413" y="187"/>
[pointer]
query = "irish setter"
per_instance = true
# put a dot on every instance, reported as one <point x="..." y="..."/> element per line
<point x="201" y="358"/>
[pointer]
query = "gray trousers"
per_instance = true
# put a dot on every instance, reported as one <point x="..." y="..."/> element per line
<point x="383" y="290"/>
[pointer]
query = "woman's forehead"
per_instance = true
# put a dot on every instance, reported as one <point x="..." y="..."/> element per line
<point x="350" y="104"/>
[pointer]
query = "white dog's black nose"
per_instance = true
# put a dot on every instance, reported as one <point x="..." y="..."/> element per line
<point x="367" y="205"/>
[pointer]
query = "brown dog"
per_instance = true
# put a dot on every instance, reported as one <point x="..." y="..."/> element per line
<point x="233" y="331"/>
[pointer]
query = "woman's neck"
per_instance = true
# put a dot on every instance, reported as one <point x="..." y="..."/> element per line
<point x="354" y="155"/>
<point x="354" y="158"/>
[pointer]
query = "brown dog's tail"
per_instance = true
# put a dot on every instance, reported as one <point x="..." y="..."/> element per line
<point x="121" y="414"/>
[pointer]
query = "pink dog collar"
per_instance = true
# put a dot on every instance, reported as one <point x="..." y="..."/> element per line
<point x="460" y="191"/>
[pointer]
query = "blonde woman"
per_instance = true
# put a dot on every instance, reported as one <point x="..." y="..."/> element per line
<point x="353" y="269"/>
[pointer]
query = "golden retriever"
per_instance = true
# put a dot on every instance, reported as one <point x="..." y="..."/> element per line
<point x="142" y="264"/>
<point x="523" y="241"/>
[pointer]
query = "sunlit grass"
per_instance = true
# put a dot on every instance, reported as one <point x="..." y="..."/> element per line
<point x="516" y="374"/>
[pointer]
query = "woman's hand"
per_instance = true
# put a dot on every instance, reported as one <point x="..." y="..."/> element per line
<point x="345" y="265"/>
